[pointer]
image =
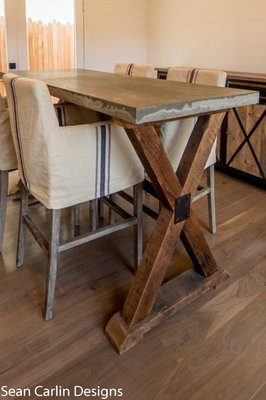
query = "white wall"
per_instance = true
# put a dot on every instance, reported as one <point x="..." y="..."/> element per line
<point x="115" y="31"/>
<point x="227" y="34"/>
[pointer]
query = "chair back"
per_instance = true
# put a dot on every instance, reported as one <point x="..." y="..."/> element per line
<point x="210" y="77"/>
<point x="8" y="159"/>
<point x="175" y="134"/>
<point x="34" y="125"/>
<point x="141" y="70"/>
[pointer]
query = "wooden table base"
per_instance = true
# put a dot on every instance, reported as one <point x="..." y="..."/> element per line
<point x="173" y="295"/>
<point x="148" y="301"/>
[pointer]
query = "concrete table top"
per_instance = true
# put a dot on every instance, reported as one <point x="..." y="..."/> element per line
<point x="139" y="100"/>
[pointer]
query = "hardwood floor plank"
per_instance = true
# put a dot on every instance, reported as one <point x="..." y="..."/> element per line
<point x="214" y="348"/>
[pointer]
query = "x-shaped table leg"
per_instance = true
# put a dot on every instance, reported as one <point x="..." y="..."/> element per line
<point x="148" y="303"/>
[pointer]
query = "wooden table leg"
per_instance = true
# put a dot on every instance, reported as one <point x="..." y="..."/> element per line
<point x="147" y="303"/>
<point x="200" y="142"/>
<point x="197" y="247"/>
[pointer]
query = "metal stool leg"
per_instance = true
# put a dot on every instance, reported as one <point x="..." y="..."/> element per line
<point x="211" y="198"/>
<point x="3" y="204"/>
<point x="52" y="268"/>
<point x="93" y="215"/>
<point x="24" y="199"/>
<point x="138" y="228"/>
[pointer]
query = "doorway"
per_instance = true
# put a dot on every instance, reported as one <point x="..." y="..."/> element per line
<point x="43" y="34"/>
<point x="50" y="34"/>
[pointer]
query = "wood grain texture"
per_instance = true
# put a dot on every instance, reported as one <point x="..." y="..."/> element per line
<point x="244" y="160"/>
<point x="173" y="295"/>
<point x="157" y="165"/>
<point x="197" y="247"/>
<point x="156" y="258"/>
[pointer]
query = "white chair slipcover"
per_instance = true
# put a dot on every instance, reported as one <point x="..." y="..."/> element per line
<point x="141" y="70"/>
<point x="65" y="166"/>
<point x="8" y="158"/>
<point x="8" y="162"/>
<point x="67" y="114"/>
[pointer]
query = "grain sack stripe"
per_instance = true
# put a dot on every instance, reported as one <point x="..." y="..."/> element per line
<point x="17" y="131"/>
<point x="130" y="69"/>
<point x="59" y="115"/>
<point x="103" y="160"/>
<point x="192" y="73"/>
<point x="97" y="160"/>
<point x="109" y="159"/>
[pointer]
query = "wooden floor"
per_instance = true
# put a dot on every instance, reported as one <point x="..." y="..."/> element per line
<point x="215" y="348"/>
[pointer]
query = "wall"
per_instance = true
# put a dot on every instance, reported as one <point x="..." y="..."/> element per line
<point x="228" y="34"/>
<point x="115" y="31"/>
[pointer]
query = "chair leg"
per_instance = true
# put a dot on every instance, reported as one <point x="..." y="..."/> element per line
<point x="76" y="215"/>
<point x="211" y="198"/>
<point x="24" y="199"/>
<point x="138" y="228"/>
<point x="111" y="212"/>
<point x="3" y="204"/>
<point x="52" y="267"/>
<point x="100" y="208"/>
<point x="93" y="215"/>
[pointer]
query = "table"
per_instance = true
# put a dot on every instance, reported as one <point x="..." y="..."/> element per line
<point x="138" y="104"/>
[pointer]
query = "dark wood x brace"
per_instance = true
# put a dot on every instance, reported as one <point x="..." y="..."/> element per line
<point x="148" y="302"/>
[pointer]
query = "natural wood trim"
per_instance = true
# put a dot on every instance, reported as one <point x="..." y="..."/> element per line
<point x="173" y="296"/>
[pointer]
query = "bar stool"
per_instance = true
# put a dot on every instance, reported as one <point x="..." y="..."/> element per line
<point x="67" y="114"/>
<point x="174" y="135"/>
<point x="65" y="166"/>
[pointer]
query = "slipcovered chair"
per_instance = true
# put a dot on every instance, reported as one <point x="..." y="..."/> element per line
<point x="65" y="166"/>
<point x="175" y="134"/>
<point x="72" y="114"/>
<point x="67" y="114"/>
<point x="8" y="163"/>
<point x="141" y="70"/>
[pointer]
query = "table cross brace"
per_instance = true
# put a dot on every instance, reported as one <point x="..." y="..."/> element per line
<point x="126" y="328"/>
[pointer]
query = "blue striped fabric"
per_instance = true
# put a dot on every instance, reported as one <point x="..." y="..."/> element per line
<point x="17" y="130"/>
<point x="103" y="160"/>
<point x="130" y="68"/>
<point x="61" y="114"/>
<point x="192" y="75"/>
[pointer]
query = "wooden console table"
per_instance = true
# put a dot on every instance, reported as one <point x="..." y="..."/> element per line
<point x="241" y="149"/>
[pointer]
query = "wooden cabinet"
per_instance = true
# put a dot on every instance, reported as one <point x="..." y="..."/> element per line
<point x="241" y="149"/>
<point x="242" y="146"/>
